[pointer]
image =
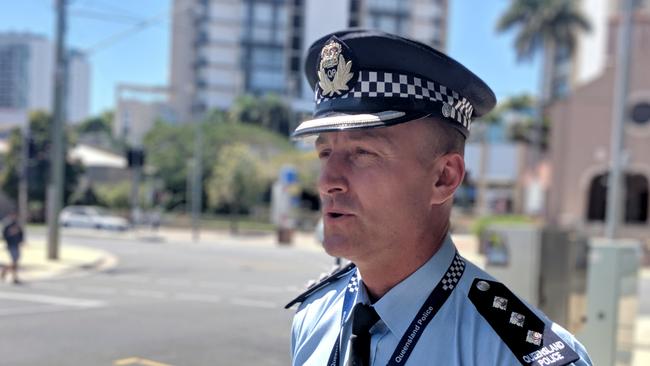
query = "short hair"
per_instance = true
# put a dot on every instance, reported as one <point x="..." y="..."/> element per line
<point x="444" y="137"/>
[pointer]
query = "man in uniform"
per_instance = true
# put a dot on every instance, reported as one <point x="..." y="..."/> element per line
<point x="391" y="119"/>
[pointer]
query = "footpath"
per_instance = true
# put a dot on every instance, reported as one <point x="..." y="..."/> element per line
<point x="76" y="260"/>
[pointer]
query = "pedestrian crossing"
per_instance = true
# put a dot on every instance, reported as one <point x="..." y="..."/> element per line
<point x="119" y="290"/>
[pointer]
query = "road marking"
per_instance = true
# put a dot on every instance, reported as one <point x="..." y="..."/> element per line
<point x="52" y="300"/>
<point x="198" y="297"/>
<point x="138" y="362"/>
<point x="133" y="279"/>
<point x="148" y="293"/>
<point x="263" y="288"/>
<point x="174" y="282"/>
<point x="98" y="290"/>
<point x="50" y="286"/>
<point x="30" y="310"/>
<point x="253" y="303"/>
<point x="204" y="284"/>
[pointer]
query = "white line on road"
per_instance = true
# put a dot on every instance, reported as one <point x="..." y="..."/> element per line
<point x="50" y="286"/>
<point x="148" y="293"/>
<point x="26" y="310"/>
<point x="198" y="297"/>
<point x="53" y="300"/>
<point x="97" y="290"/>
<point x="204" y="284"/>
<point x="263" y="288"/>
<point x="174" y="282"/>
<point x="253" y="303"/>
<point x="133" y="279"/>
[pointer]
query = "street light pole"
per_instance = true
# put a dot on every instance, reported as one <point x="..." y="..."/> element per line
<point x="197" y="181"/>
<point x="615" y="187"/>
<point x="57" y="166"/>
<point x="23" y="176"/>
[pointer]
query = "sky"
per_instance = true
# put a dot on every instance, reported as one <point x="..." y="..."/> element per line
<point x="143" y="55"/>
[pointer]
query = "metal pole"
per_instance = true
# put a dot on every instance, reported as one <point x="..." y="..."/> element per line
<point x="57" y="166"/>
<point x="615" y="185"/>
<point x="23" y="175"/>
<point x="136" y="173"/>
<point x="197" y="181"/>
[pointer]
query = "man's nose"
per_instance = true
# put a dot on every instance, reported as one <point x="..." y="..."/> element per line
<point x="333" y="177"/>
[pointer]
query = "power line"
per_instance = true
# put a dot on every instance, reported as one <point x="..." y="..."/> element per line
<point x="140" y="26"/>
<point x="113" y="18"/>
<point x="109" y="41"/>
<point x="97" y="4"/>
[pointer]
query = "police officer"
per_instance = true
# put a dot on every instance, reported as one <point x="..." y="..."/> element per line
<point x="391" y="119"/>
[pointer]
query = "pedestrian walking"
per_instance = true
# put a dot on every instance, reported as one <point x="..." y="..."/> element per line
<point x="13" y="236"/>
<point x="391" y="118"/>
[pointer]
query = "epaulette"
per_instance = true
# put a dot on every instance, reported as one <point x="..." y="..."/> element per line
<point x="527" y="336"/>
<point x="326" y="280"/>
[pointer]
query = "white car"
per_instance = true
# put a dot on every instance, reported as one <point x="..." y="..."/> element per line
<point x="91" y="217"/>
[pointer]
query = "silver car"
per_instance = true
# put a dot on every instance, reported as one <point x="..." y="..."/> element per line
<point x="91" y="217"/>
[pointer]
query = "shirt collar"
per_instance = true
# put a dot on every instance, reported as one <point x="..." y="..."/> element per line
<point x="399" y="306"/>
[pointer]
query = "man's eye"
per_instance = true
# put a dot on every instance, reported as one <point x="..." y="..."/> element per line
<point x="323" y="154"/>
<point x="360" y="151"/>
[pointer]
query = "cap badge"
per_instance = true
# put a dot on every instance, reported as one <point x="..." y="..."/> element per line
<point x="446" y="110"/>
<point x="334" y="72"/>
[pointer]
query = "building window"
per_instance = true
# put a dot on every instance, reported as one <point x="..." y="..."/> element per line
<point x="636" y="199"/>
<point x="264" y="44"/>
<point x="266" y="80"/>
<point x="14" y="76"/>
<point x="388" y="15"/>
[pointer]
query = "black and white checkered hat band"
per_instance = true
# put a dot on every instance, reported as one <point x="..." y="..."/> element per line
<point x="379" y="84"/>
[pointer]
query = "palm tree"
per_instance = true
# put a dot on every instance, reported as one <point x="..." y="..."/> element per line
<point x="543" y="26"/>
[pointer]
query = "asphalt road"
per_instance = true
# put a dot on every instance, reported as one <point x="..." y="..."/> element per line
<point x="164" y="304"/>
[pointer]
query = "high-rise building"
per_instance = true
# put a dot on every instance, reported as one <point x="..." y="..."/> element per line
<point x="225" y="48"/>
<point x="26" y="79"/>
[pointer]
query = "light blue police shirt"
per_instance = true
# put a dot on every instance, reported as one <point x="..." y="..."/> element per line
<point x="457" y="335"/>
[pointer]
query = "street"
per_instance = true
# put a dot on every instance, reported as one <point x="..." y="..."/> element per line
<point x="172" y="302"/>
<point x="165" y="303"/>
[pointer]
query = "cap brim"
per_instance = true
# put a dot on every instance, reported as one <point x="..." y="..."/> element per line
<point x="343" y="121"/>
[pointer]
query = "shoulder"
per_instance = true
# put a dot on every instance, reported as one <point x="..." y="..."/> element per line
<point x="319" y="309"/>
<point x="512" y="323"/>
<point x="324" y="282"/>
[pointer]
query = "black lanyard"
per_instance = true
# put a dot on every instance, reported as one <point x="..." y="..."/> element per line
<point x="429" y="309"/>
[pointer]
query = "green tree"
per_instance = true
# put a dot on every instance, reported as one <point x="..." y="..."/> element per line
<point x="170" y="149"/>
<point x="38" y="175"/>
<point x="544" y="26"/>
<point x="269" y="111"/>
<point x="236" y="181"/>
<point x="102" y="123"/>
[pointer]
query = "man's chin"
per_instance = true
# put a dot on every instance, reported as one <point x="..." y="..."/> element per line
<point x="337" y="246"/>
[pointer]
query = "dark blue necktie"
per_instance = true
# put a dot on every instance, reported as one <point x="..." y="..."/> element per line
<point x="363" y="318"/>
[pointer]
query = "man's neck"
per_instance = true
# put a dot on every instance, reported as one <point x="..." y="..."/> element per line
<point x="379" y="277"/>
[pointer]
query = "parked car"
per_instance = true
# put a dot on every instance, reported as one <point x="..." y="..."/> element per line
<point x="91" y="217"/>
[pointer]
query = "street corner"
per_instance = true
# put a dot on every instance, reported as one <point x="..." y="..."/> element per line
<point x="74" y="260"/>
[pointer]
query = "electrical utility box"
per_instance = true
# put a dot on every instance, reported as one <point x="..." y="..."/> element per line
<point x="543" y="265"/>
<point x="612" y="300"/>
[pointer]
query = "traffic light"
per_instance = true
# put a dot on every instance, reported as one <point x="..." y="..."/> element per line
<point x="135" y="157"/>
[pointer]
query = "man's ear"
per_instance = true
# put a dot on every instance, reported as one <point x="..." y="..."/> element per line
<point x="450" y="171"/>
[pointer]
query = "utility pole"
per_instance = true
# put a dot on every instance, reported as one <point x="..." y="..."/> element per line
<point x="197" y="186"/>
<point x="57" y="158"/>
<point x="23" y="175"/>
<point x="615" y="187"/>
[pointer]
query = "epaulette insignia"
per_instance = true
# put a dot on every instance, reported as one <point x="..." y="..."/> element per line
<point x="527" y="336"/>
<point x="324" y="281"/>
